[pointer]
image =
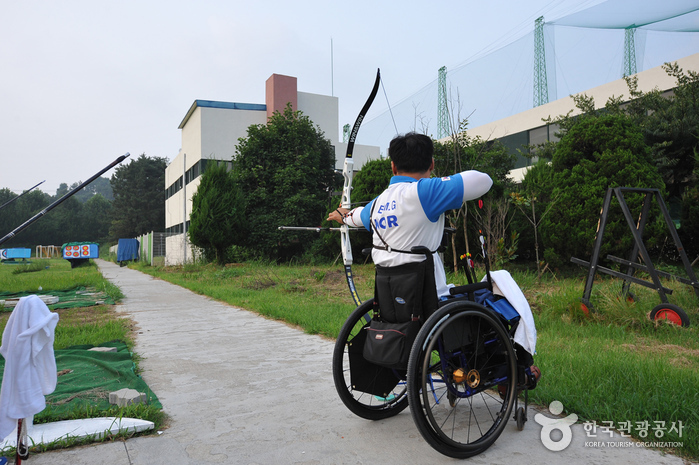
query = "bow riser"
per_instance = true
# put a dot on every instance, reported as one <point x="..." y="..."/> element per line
<point x="348" y="174"/>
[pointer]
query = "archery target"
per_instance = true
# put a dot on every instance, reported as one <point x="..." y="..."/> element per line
<point x="80" y="251"/>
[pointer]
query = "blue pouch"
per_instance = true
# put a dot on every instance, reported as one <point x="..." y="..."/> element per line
<point x="503" y="307"/>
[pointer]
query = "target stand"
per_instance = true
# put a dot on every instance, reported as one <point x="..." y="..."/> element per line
<point x="664" y="311"/>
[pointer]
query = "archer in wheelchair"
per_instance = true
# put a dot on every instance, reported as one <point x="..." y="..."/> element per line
<point x="459" y="356"/>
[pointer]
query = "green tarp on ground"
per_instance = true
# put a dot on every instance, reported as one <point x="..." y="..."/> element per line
<point x="87" y="377"/>
<point x="67" y="298"/>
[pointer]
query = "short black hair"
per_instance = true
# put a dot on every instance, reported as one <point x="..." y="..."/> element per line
<point x="412" y="152"/>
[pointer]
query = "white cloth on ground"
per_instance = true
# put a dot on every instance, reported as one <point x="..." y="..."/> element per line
<point x="30" y="365"/>
<point x="504" y="285"/>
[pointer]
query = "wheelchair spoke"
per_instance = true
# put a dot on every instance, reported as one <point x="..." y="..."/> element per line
<point x="460" y="413"/>
<point x="367" y="390"/>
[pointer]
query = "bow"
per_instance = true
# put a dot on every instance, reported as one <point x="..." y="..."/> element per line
<point x="348" y="174"/>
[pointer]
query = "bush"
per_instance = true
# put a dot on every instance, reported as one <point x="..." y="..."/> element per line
<point x="597" y="152"/>
<point x="689" y="226"/>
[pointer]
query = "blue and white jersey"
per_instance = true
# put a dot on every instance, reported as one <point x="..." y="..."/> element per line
<point x="411" y="213"/>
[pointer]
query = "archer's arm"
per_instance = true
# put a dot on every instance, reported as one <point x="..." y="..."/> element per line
<point x="350" y="217"/>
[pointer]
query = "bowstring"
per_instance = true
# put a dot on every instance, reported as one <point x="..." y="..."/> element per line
<point x="389" y="105"/>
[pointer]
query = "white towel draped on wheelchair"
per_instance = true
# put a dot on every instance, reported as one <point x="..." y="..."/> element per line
<point x="505" y="286"/>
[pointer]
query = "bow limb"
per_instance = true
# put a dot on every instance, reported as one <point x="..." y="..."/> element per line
<point x="348" y="174"/>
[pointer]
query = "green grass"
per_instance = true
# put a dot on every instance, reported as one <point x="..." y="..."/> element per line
<point x="612" y="365"/>
<point x="77" y="326"/>
<point x="91" y="325"/>
<point x="82" y="325"/>
<point x="35" y="265"/>
<point x="54" y="274"/>
<point x="616" y="364"/>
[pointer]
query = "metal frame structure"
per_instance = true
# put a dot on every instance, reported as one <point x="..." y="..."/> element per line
<point x="639" y="249"/>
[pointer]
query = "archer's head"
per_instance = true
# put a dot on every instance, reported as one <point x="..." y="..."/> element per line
<point x="411" y="154"/>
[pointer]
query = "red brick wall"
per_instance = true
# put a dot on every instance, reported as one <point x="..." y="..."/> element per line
<point x="280" y="90"/>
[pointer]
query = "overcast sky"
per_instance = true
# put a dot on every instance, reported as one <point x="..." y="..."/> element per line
<point x="86" y="81"/>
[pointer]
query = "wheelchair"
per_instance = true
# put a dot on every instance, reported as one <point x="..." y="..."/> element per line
<point x="463" y="376"/>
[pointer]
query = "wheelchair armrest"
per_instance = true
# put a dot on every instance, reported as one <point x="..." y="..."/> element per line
<point x="469" y="288"/>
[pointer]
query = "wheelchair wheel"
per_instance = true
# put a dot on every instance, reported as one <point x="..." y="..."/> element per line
<point x="462" y="379"/>
<point x="369" y="391"/>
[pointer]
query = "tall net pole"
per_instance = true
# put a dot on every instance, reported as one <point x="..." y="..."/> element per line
<point x="442" y="110"/>
<point x="541" y="88"/>
<point x="630" y="51"/>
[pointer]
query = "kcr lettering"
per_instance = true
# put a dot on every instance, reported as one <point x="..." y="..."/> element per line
<point x="386" y="222"/>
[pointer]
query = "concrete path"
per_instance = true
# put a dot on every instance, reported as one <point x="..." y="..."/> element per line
<point x="241" y="389"/>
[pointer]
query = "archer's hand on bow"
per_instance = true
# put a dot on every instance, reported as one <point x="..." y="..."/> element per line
<point x="338" y="215"/>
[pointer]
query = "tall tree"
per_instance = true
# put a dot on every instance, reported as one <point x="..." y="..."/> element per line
<point x="96" y="218"/>
<point x="62" y="190"/>
<point x="671" y="126"/>
<point x="371" y="180"/>
<point x="139" y="197"/>
<point x="100" y="186"/>
<point x="284" y="168"/>
<point x="218" y="213"/>
<point x="16" y="213"/>
<point x="65" y="222"/>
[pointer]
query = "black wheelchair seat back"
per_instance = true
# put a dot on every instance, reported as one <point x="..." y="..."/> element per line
<point x="406" y="292"/>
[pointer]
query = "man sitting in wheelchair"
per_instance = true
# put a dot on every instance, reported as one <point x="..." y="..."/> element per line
<point x="409" y="213"/>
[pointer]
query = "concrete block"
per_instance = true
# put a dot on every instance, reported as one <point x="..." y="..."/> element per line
<point x="126" y="396"/>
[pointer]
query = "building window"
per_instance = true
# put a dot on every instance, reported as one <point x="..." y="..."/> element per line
<point x="176" y="229"/>
<point x="174" y="188"/>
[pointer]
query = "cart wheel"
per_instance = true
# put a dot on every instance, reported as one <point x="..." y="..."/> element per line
<point x="630" y="297"/>
<point x="520" y="418"/>
<point x="671" y="313"/>
<point x="586" y="308"/>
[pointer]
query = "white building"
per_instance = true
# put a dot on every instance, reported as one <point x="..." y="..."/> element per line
<point x="210" y="131"/>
